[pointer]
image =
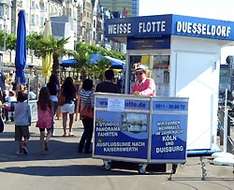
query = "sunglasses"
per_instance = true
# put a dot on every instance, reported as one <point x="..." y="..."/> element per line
<point x="139" y="73"/>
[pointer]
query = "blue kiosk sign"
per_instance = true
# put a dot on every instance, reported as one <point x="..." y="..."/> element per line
<point x="161" y="25"/>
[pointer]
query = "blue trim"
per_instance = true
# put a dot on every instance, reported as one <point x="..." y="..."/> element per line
<point x="201" y="152"/>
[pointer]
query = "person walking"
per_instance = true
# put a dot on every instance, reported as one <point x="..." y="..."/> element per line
<point x="67" y="101"/>
<point x="86" y="115"/>
<point x="22" y="122"/>
<point x="143" y="86"/>
<point x="45" y="117"/>
<point x="108" y="85"/>
<point x="53" y="87"/>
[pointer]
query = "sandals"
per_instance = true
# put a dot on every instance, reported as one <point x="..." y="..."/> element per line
<point x="71" y="134"/>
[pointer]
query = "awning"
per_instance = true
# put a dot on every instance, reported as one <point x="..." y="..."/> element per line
<point x="68" y="62"/>
<point x="115" y="63"/>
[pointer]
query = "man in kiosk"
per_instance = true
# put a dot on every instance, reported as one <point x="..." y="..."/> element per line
<point x="143" y="86"/>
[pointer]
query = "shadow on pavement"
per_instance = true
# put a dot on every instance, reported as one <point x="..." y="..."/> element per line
<point x="71" y="170"/>
<point x="57" y="150"/>
<point x="11" y="135"/>
<point x="7" y="135"/>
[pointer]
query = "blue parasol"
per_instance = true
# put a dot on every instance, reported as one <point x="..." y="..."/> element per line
<point x="69" y="63"/>
<point x="20" y="57"/>
<point x="115" y="63"/>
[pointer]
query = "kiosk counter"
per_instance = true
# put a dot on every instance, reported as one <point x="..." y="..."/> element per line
<point x="142" y="130"/>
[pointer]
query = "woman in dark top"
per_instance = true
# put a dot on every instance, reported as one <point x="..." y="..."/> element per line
<point x="53" y="87"/>
<point x="68" y="91"/>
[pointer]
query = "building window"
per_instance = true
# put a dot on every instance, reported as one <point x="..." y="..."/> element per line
<point x="94" y="35"/>
<point x="70" y="12"/>
<point x="42" y="5"/>
<point x="37" y="20"/>
<point x="1" y="11"/>
<point x="42" y="22"/>
<point x="33" y="5"/>
<point x="33" y="20"/>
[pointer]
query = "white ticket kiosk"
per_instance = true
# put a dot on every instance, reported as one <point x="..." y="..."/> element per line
<point x="183" y="55"/>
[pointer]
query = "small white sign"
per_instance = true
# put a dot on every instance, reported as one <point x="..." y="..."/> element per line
<point x="115" y="104"/>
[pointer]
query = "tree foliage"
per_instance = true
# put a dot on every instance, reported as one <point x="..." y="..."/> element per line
<point x="9" y="39"/>
<point x="41" y="45"/>
<point x="98" y="49"/>
<point x="82" y="55"/>
<point x="2" y="38"/>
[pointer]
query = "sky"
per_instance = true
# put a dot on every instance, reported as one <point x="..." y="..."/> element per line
<point x="216" y="9"/>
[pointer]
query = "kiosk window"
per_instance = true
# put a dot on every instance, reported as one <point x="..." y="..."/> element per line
<point x="134" y="61"/>
<point x="161" y="74"/>
<point x="159" y="71"/>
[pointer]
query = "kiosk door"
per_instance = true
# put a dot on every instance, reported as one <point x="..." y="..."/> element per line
<point x="199" y="84"/>
<point x="159" y="70"/>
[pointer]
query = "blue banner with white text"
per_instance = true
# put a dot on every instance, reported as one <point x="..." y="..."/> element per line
<point x="125" y="126"/>
<point x="159" y="26"/>
<point x="121" y="133"/>
<point x="169" y="130"/>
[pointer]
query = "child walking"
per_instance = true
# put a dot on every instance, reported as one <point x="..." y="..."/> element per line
<point x="22" y="122"/>
<point x="45" y="117"/>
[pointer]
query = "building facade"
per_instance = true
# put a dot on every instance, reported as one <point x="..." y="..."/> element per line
<point x="122" y="8"/>
<point x="78" y="20"/>
<point x="87" y="21"/>
<point x="5" y="15"/>
<point x="37" y="11"/>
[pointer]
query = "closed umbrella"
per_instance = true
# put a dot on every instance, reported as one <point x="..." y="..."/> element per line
<point x="20" y="56"/>
<point x="47" y="60"/>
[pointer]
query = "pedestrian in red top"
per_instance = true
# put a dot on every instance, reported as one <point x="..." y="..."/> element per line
<point x="143" y="86"/>
<point x="45" y="117"/>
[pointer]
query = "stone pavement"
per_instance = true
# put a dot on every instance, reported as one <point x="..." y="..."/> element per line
<point x="64" y="169"/>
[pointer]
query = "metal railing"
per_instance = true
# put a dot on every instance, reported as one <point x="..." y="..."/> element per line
<point x="226" y="125"/>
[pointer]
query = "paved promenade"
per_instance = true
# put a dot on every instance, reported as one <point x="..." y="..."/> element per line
<point x="64" y="169"/>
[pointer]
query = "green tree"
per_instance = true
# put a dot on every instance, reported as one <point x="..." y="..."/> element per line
<point x="98" y="49"/>
<point x="58" y="51"/>
<point x="32" y="43"/>
<point x="82" y="54"/>
<point x="2" y="38"/>
<point x="41" y="46"/>
<point x="11" y="43"/>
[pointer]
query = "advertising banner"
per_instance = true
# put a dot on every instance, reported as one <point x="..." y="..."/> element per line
<point x="169" y="131"/>
<point x="125" y="127"/>
<point x="121" y="132"/>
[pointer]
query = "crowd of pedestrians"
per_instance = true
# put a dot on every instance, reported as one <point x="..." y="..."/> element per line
<point x="70" y="101"/>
